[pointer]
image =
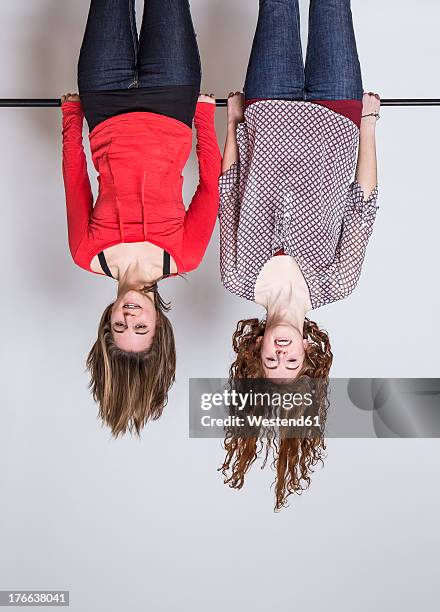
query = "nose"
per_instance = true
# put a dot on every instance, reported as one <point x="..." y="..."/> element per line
<point x="130" y="314"/>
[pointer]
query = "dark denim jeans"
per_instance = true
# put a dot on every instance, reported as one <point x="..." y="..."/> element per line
<point x="276" y="69"/>
<point x="113" y="57"/>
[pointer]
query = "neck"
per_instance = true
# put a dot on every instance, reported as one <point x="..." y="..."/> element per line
<point x="136" y="275"/>
<point x="285" y="306"/>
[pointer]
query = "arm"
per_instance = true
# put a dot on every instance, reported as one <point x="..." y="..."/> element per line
<point x="79" y="197"/>
<point x="235" y="116"/>
<point x="231" y="153"/>
<point x="235" y="160"/>
<point x="202" y="212"/>
<point x="229" y="216"/>
<point x="366" y="171"/>
<point x="342" y="276"/>
<point x="360" y="213"/>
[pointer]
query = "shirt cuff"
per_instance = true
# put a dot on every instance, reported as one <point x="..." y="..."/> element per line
<point x="357" y="196"/>
<point x="229" y="179"/>
<point x="205" y="110"/>
<point x="72" y="108"/>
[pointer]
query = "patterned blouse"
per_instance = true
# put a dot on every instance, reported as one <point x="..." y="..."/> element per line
<point x="291" y="191"/>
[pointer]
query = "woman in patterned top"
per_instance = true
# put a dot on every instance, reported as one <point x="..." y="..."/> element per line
<point x="294" y="228"/>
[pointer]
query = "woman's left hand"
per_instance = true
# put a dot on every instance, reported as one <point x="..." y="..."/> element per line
<point x="70" y="97"/>
<point x="370" y="105"/>
<point x="207" y="98"/>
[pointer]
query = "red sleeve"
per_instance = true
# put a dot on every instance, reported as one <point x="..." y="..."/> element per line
<point x="79" y="197"/>
<point x="202" y="212"/>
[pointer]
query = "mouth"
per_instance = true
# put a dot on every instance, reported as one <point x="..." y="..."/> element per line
<point x="283" y="342"/>
<point x="131" y="306"/>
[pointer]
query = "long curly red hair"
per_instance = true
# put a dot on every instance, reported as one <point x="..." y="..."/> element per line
<point x="293" y="457"/>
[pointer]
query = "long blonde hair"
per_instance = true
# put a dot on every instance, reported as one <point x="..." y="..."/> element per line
<point x="132" y="388"/>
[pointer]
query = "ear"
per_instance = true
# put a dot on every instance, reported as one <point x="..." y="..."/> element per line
<point x="259" y="341"/>
<point x="305" y="344"/>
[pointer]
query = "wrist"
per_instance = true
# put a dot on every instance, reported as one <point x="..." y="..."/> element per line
<point x="202" y="105"/>
<point x="368" y="124"/>
<point x="70" y="110"/>
<point x="372" y="118"/>
<point x="72" y="105"/>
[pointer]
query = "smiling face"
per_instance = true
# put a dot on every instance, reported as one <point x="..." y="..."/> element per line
<point x="283" y="350"/>
<point x="133" y="321"/>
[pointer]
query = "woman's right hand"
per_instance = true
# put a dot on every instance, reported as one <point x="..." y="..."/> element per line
<point x="235" y="107"/>
<point x="70" y="97"/>
<point x="370" y="106"/>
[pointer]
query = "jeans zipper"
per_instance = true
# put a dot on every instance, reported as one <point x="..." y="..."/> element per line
<point x="135" y="82"/>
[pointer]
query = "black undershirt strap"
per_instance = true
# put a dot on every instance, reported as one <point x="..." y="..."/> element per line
<point x="166" y="263"/>
<point x="106" y="269"/>
<point x="104" y="265"/>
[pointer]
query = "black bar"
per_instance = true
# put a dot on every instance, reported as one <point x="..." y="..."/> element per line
<point x="47" y="103"/>
<point x="30" y="103"/>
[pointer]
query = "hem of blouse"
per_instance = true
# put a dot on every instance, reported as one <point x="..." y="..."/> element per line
<point x="306" y="102"/>
<point x="137" y="114"/>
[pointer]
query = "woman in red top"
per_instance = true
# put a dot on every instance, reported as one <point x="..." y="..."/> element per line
<point x="139" y="97"/>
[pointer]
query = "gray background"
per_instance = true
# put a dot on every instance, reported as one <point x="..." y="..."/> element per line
<point x="135" y="525"/>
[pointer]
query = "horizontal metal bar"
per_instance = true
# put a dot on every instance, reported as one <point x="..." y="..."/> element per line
<point x="29" y="103"/>
<point x="46" y="103"/>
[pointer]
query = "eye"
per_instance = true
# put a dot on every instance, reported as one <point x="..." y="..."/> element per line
<point x="118" y="324"/>
<point x="140" y="326"/>
<point x="291" y="360"/>
<point x="270" y="359"/>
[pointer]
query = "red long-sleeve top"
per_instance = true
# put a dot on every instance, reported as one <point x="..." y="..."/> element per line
<point x="140" y="157"/>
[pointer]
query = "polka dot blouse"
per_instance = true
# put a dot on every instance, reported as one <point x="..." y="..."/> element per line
<point x="292" y="190"/>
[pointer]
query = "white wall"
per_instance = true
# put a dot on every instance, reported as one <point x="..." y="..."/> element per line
<point x="132" y="525"/>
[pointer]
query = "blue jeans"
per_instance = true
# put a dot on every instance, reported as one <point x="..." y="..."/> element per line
<point x="276" y="69"/>
<point x="113" y="57"/>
